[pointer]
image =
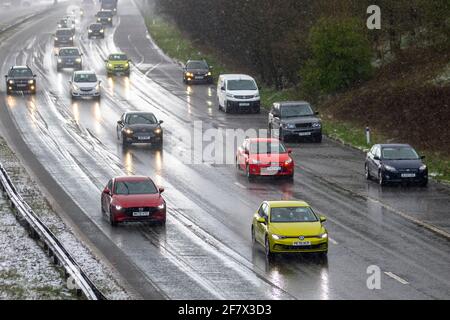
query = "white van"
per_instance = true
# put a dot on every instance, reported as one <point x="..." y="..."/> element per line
<point x="238" y="93"/>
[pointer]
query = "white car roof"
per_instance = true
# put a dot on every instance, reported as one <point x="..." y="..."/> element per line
<point x="84" y="72"/>
<point x="236" y="77"/>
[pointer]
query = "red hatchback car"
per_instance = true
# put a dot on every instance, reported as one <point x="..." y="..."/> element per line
<point x="265" y="157"/>
<point x="133" y="199"/>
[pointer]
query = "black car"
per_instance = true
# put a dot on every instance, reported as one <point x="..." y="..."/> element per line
<point x="294" y="120"/>
<point x="63" y="37"/>
<point x="395" y="163"/>
<point x="20" y="78"/>
<point x="96" y="30"/>
<point x="66" y="24"/>
<point x="69" y="57"/>
<point x="140" y="127"/>
<point x="105" y="17"/>
<point x="197" y="70"/>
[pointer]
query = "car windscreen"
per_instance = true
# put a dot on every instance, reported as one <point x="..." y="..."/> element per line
<point x="196" y="65"/>
<point x="22" y="72"/>
<point x="135" y="187"/>
<point x="292" y="111"/>
<point x="118" y="57"/>
<point x="85" y="77"/>
<point x="239" y="85"/>
<point x="141" y="119"/>
<point x="104" y="14"/>
<point x="69" y="52"/>
<point x="96" y="26"/>
<point x="63" y="33"/>
<point x="292" y="215"/>
<point x="267" y="148"/>
<point x="399" y="153"/>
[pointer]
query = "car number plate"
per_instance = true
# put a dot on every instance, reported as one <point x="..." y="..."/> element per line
<point x="408" y="175"/>
<point x="21" y="85"/>
<point x="273" y="168"/>
<point x="199" y="78"/>
<point x="304" y="134"/>
<point x="244" y="104"/>
<point x="145" y="138"/>
<point x="302" y="244"/>
<point x="141" y="214"/>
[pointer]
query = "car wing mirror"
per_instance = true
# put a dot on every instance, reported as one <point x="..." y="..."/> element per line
<point x="161" y="190"/>
<point x="222" y="88"/>
<point x="161" y="121"/>
<point x="323" y="219"/>
<point x="423" y="157"/>
<point x="261" y="220"/>
<point x="107" y="191"/>
<point x="376" y="158"/>
<point x="289" y="151"/>
<point x="120" y="122"/>
<point x="317" y="113"/>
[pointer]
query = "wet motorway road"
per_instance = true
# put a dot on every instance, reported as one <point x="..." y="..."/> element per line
<point x="205" y="250"/>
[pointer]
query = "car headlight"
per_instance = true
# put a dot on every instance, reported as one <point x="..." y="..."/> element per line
<point x="71" y="38"/>
<point x="390" y="168"/>
<point x="288" y="162"/>
<point x="209" y="73"/>
<point x="254" y="161"/>
<point x="323" y="235"/>
<point x="118" y="208"/>
<point x="98" y="19"/>
<point x="109" y="19"/>
<point x="101" y="31"/>
<point x="128" y="131"/>
<point x="158" y="131"/>
<point x="78" y="60"/>
<point x="90" y="31"/>
<point x="257" y="95"/>
<point x="162" y="206"/>
<point x="188" y="74"/>
<point x="11" y="81"/>
<point x="229" y="95"/>
<point x="110" y="65"/>
<point x="97" y="87"/>
<point x="289" y="126"/>
<point x="127" y="65"/>
<point x="77" y="88"/>
<point x="59" y="60"/>
<point x="56" y="38"/>
<point x="423" y="168"/>
<point x="59" y="26"/>
<point x="30" y="81"/>
<point x="317" y="125"/>
<point x="278" y="237"/>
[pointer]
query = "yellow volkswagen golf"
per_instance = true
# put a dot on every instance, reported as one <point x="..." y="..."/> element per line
<point x="289" y="226"/>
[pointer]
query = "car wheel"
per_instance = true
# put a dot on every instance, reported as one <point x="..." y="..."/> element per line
<point x="318" y="139"/>
<point x="118" y="133"/>
<point x="253" y="236"/>
<point x="366" y="168"/>
<point x="381" y="179"/>
<point x="111" y="220"/>
<point x="125" y="143"/>
<point x="323" y="256"/>
<point x="424" y="184"/>
<point x="268" y="251"/>
<point x="250" y="177"/>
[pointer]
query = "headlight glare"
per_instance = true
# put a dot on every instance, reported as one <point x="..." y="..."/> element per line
<point x="389" y="168"/>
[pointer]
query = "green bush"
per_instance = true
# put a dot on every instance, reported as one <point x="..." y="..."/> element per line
<point x="340" y="56"/>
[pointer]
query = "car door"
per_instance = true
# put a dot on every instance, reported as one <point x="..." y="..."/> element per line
<point x="107" y="198"/>
<point x="241" y="156"/>
<point x="376" y="161"/>
<point x="276" y="119"/>
<point x="260" y="229"/>
<point x="220" y="93"/>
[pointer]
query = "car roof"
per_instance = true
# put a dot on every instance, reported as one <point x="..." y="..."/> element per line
<point x="386" y="145"/>
<point x="132" y="178"/>
<point x="292" y="103"/>
<point x="20" y="67"/>
<point x="69" y="48"/>
<point x="190" y="61"/>
<point x="236" y="77"/>
<point x="283" y="204"/>
<point x="139" y="112"/>
<point x="255" y="140"/>
<point x="64" y="29"/>
<point x="84" y="72"/>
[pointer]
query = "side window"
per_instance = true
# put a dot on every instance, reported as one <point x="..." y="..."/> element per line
<point x="110" y="185"/>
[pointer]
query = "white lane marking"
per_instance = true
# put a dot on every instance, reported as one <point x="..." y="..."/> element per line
<point x="151" y="69"/>
<point x="333" y="241"/>
<point x="240" y="185"/>
<point x="396" y="277"/>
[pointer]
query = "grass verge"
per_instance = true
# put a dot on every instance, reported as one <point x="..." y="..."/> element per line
<point x="180" y="47"/>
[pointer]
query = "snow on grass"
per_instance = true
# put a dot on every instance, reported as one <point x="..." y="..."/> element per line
<point x="101" y="274"/>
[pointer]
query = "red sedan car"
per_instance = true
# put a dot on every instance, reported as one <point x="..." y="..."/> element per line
<point x="133" y="199"/>
<point x="265" y="157"/>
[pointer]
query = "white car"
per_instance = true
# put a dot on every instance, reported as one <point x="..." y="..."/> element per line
<point x="85" y="84"/>
<point x="238" y="93"/>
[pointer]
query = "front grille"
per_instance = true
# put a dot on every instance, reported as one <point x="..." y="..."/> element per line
<point x="86" y="89"/>
<point x="244" y="97"/>
<point x="20" y="82"/>
<point x="303" y="125"/>
<point x="415" y="170"/>
<point x="129" y="211"/>
<point x="296" y="248"/>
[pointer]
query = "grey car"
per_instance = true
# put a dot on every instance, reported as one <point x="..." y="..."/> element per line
<point x="295" y="120"/>
<point x="69" y="57"/>
<point x="63" y="37"/>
